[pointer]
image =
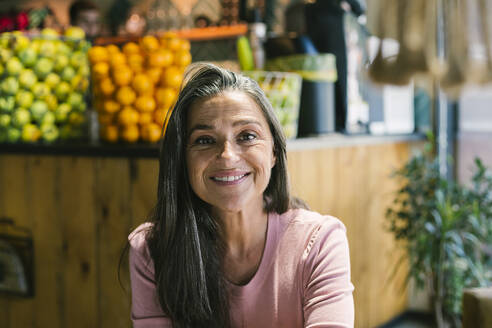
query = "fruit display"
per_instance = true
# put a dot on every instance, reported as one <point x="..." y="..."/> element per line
<point x="135" y="86"/>
<point x="284" y="93"/>
<point x="43" y="81"/>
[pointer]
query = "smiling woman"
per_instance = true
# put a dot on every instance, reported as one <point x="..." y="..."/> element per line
<point x="226" y="245"/>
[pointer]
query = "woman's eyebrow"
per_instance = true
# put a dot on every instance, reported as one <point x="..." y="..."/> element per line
<point x="245" y="122"/>
<point x="200" y="127"/>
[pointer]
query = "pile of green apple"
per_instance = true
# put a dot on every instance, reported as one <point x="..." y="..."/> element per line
<point x="43" y="81"/>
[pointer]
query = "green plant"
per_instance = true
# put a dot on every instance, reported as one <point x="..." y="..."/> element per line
<point x="446" y="229"/>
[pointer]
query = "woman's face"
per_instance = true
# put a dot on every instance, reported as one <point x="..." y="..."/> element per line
<point x="229" y="151"/>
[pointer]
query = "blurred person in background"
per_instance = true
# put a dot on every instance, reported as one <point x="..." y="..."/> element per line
<point x="87" y="16"/>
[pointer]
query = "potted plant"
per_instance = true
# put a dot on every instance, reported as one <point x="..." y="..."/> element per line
<point x="446" y="230"/>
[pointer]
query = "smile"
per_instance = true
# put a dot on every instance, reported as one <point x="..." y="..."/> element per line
<point x="229" y="178"/>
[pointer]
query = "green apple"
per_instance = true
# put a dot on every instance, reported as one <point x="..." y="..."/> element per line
<point x="62" y="90"/>
<point x="51" y="101"/>
<point x="24" y="99"/>
<point x="49" y="33"/>
<point x="79" y="83"/>
<point x="49" y="132"/>
<point x="78" y="59"/>
<point x="10" y="85"/>
<point x="5" y="120"/>
<point x="27" y="78"/>
<point x="14" y="66"/>
<point x="68" y="73"/>
<point x="61" y="113"/>
<point x="21" y="117"/>
<point x="75" y="33"/>
<point x="64" y="49"/>
<point x="82" y="107"/>
<point x="75" y="100"/>
<point x="61" y="61"/>
<point x="38" y="109"/>
<point x="43" y="67"/>
<point x="85" y="71"/>
<point x="52" y="80"/>
<point x="48" y="118"/>
<point x="48" y="49"/>
<point x="13" y="134"/>
<point x="5" y="39"/>
<point x="40" y="90"/>
<point x="7" y="104"/>
<point x="21" y="43"/>
<point x="28" y="57"/>
<point x="5" y="55"/>
<point x="30" y="133"/>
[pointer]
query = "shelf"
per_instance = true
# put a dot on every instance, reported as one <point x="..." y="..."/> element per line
<point x="194" y="34"/>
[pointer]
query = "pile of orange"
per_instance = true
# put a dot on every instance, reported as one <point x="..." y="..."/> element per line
<point x="135" y="86"/>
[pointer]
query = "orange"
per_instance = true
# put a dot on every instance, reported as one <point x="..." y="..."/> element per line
<point x="160" y="58"/>
<point x="107" y="87"/>
<point x="109" y="133"/>
<point x="145" y="103"/>
<point x="125" y="95"/>
<point x="117" y="59"/>
<point x="160" y="116"/>
<point x="171" y="77"/>
<point x="106" y="118"/>
<point x="98" y="54"/>
<point x="128" y="116"/>
<point x="136" y="59"/>
<point x="122" y="75"/>
<point x="112" y="49"/>
<point x="182" y="58"/>
<point x="172" y="43"/>
<point x="100" y="70"/>
<point x="131" y="48"/>
<point x="165" y="97"/>
<point x="185" y="45"/>
<point x="111" y="106"/>
<point x="151" y="132"/>
<point x="130" y="133"/>
<point x="154" y="74"/>
<point x="145" y="118"/>
<point x="149" y="43"/>
<point x="142" y="84"/>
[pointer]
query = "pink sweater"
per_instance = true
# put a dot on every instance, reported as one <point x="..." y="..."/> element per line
<point x="303" y="279"/>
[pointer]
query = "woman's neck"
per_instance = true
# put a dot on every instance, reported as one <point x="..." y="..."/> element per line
<point x="243" y="232"/>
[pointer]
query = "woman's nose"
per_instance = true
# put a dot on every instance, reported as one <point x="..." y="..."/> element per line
<point x="228" y="151"/>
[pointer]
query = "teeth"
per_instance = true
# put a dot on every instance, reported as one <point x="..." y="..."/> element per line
<point x="229" y="178"/>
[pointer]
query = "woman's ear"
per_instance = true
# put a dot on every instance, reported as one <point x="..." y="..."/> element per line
<point x="273" y="159"/>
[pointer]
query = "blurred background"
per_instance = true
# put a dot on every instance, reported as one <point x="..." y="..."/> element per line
<point x="386" y="104"/>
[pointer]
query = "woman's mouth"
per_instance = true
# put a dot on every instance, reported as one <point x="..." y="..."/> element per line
<point x="229" y="179"/>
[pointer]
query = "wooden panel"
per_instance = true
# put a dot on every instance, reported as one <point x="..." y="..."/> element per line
<point x="82" y="209"/>
<point x="354" y="185"/>
<point x="76" y="202"/>
<point x="113" y="215"/>
<point x="15" y="183"/>
<point x="47" y="241"/>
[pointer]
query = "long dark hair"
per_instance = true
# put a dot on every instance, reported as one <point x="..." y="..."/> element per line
<point x="184" y="239"/>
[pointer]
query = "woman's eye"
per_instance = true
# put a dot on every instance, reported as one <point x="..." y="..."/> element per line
<point x="203" y="141"/>
<point x="247" y="136"/>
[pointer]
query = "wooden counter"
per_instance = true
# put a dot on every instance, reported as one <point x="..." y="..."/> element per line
<point x="81" y="208"/>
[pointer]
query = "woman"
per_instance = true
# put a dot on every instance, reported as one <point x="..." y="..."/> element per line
<point x="225" y="247"/>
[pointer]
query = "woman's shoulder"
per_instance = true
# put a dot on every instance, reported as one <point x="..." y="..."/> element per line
<point x="311" y="229"/>
<point x="138" y="238"/>
<point x="305" y="219"/>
